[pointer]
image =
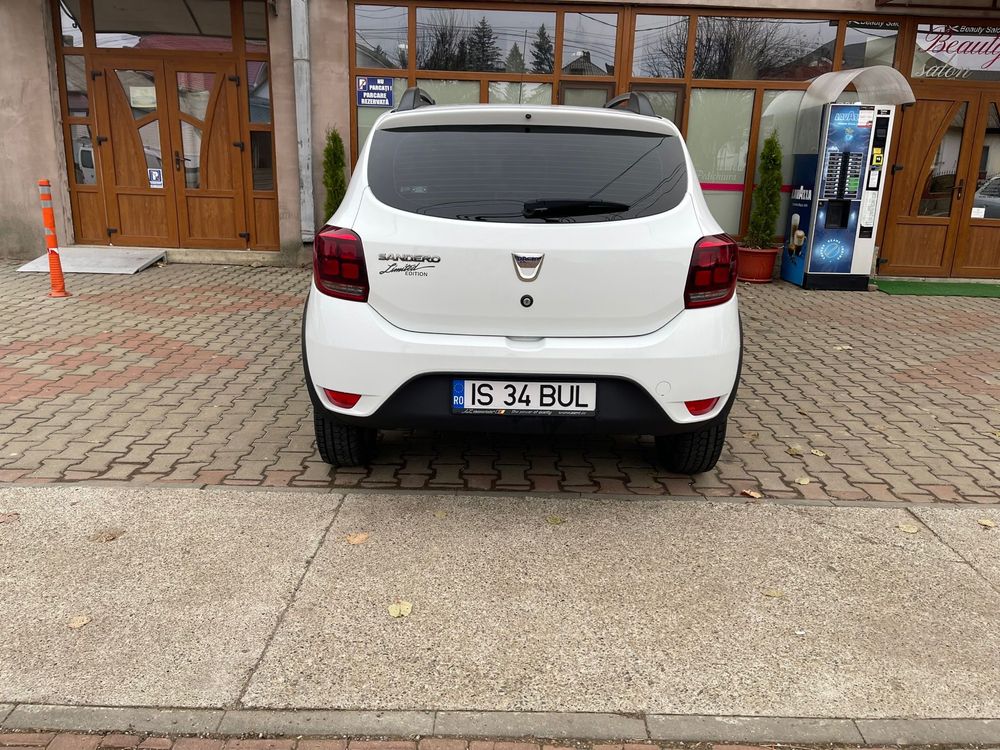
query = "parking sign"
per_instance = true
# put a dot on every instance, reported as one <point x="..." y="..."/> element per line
<point x="374" y="91"/>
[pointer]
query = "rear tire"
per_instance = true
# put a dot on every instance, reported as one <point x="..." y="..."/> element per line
<point x="693" y="452"/>
<point x="342" y="444"/>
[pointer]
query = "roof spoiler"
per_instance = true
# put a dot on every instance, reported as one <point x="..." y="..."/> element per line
<point x="414" y="97"/>
<point x="633" y="101"/>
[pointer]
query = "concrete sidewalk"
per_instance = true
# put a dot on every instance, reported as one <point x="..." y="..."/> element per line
<point x="240" y="600"/>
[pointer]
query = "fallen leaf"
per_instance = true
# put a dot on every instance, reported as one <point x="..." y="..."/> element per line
<point x="358" y="537"/>
<point x="400" y="608"/>
<point x="75" y="623"/>
<point x="106" y="535"/>
<point x="774" y="593"/>
<point x="440" y="514"/>
<point x="753" y="493"/>
<point x="987" y="523"/>
<point x="751" y="436"/>
<point x="908" y="528"/>
<point x="803" y="480"/>
<point x="9" y="517"/>
<point x="996" y="434"/>
<point x="555" y="520"/>
<point x="818" y="452"/>
<point x="794" y="450"/>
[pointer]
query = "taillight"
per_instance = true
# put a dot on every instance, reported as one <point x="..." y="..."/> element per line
<point x="339" y="264"/>
<point x="342" y="399"/>
<point x="701" y="406"/>
<point x="712" y="275"/>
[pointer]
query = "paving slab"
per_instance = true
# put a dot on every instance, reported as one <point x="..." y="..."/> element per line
<point x="177" y="591"/>
<point x="524" y="604"/>
<point x="961" y="530"/>
<point x="103" y="719"/>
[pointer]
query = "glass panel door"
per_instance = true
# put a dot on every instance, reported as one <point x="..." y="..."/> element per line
<point x="585" y="94"/>
<point x="134" y="145"/>
<point x="978" y="250"/>
<point x="930" y="187"/>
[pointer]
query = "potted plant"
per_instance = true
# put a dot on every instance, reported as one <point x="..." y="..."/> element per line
<point x="757" y="251"/>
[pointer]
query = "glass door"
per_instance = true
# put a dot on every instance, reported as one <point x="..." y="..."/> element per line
<point x="134" y="145"/>
<point x="207" y="156"/>
<point x="931" y="191"/>
<point x="977" y="254"/>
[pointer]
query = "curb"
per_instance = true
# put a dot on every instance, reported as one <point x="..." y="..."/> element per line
<point x="500" y="724"/>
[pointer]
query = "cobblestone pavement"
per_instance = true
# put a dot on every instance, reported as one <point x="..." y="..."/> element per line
<point x="191" y="375"/>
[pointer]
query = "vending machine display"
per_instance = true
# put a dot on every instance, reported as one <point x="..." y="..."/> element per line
<point x="836" y="194"/>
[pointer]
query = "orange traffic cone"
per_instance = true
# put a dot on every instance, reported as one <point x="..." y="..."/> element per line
<point x="49" y="220"/>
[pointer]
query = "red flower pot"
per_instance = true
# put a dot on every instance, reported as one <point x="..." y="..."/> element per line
<point x="757" y="264"/>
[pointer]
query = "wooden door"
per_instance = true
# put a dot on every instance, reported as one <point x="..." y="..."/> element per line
<point x="207" y="158"/>
<point x="134" y="141"/>
<point x="977" y="254"/>
<point x="929" y="194"/>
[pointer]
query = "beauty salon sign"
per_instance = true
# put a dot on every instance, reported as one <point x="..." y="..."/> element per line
<point x="962" y="52"/>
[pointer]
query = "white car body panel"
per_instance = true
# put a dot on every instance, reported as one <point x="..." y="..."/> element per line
<point x="352" y="348"/>
<point x="608" y="299"/>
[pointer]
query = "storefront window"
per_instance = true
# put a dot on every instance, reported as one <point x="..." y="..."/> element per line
<point x="508" y="92"/>
<point x="84" y="167"/>
<point x="748" y="49"/>
<point x="202" y="25"/>
<point x="381" y="36"/>
<point x="779" y="115"/>
<point x="964" y="53"/>
<point x="262" y="160"/>
<point x="718" y="139"/>
<point x="869" y="43"/>
<point x="76" y="86"/>
<point x="939" y="185"/>
<point x="368" y="115"/>
<point x="72" y="34"/>
<point x="660" y="49"/>
<point x="451" y="92"/>
<point x="666" y="102"/>
<point x="585" y="96"/>
<point x="259" y="91"/>
<point x="986" y="202"/>
<point x="589" y="44"/>
<point x="255" y="25"/>
<point x="485" y="41"/>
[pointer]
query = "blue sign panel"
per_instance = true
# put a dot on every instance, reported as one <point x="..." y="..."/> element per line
<point x="798" y="229"/>
<point x="374" y="91"/>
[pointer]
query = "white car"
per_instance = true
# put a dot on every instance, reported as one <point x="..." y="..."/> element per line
<point x="508" y="268"/>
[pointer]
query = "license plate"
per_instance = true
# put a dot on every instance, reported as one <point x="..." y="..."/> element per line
<point x="523" y="398"/>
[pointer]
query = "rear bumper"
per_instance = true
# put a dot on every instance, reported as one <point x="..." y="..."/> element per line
<point x="405" y="377"/>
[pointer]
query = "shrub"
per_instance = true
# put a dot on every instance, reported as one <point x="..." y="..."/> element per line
<point x="334" y="173"/>
<point x="766" y="196"/>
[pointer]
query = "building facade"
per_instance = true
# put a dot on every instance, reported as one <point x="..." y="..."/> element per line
<point x="198" y="125"/>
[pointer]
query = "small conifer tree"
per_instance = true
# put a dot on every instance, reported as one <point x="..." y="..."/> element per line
<point x="334" y="175"/>
<point x="766" y="196"/>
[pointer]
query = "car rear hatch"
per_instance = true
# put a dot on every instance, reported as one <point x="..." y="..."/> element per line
<point x="559" y="224"/>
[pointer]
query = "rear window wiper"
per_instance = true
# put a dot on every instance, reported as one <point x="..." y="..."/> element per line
<point x="546" y="209"/>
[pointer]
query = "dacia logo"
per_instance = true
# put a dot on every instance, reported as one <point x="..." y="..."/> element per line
<point x="409" y="258"/>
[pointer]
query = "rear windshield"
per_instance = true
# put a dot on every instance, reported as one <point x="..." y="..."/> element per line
<point x="527" y="174"/>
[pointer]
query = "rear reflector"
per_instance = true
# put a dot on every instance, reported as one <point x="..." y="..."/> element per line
<point x="339" y="264"/>
<point x="712" y="275"/>
<point x="341" y="399"/>
<point x="701" y="406"/>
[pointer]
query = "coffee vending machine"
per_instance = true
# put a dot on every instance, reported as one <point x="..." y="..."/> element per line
<point x="836" y="198"/>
